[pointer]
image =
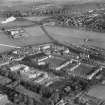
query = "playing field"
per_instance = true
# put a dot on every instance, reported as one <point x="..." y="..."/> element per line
<point x="77" y="36"/>
<point x="32" y="35"/>
<point x="35" y="35"/>
<point x="36" y="18"/>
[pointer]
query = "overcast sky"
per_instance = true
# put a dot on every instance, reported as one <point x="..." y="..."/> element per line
<point x="54" y="0"/>
<point x="58" y="1"/>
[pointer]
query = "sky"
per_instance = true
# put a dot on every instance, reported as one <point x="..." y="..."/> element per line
<point x="56" y="1"/>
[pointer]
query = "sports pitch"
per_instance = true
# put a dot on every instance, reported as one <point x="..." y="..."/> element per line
<point x="75" y="36"/>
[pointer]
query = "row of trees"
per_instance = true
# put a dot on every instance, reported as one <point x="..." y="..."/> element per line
<point x="49" y="11"/>
<point x="15" y="13"/>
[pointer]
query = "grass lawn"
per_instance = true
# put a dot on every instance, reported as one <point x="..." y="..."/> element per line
<point x="17" y="23"/>
<point x="32" y="35"/>
<point x="77" y="36"/>
<point x="36" y="18"/>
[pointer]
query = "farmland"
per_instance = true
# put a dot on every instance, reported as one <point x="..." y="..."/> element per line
<point x="74" y="36"/>
<point x="17" y="23"/>
<point x="36" y="18"/>
<point x="32" y="35"/>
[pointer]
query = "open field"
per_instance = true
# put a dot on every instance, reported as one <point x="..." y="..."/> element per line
<point x="17" y="23"/>
<point x="36" y="18"/>
<point x="97" y="91"/>
<point x="75" y="36"/>
<point x="33" y="35"/>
